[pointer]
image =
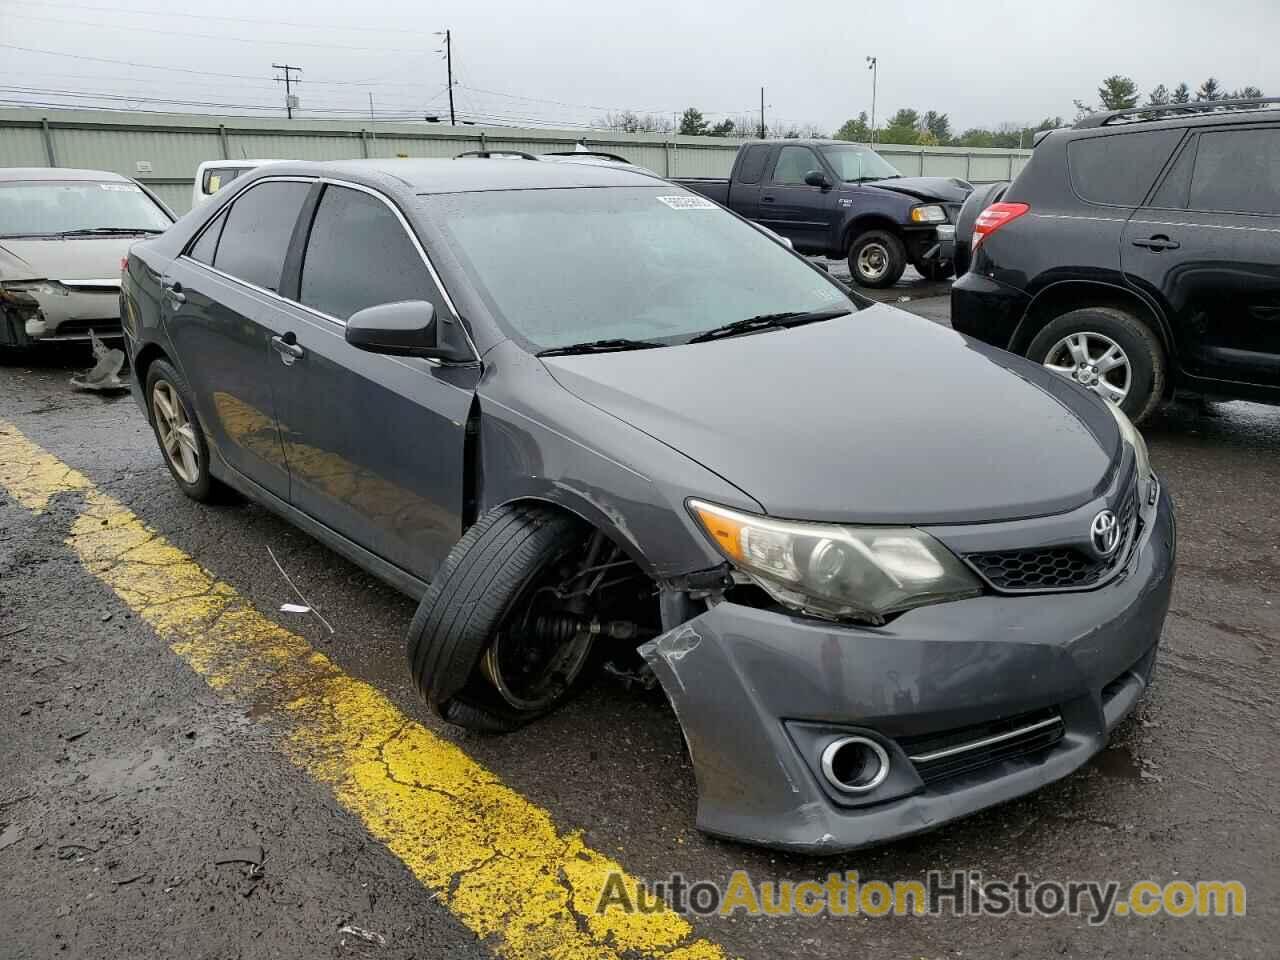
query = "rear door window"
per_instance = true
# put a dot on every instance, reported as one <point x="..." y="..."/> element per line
<point x="1119" y="168"/>
<point x="256" y="235"/>
<point x="206" y="247"/>
<point x="359" y="255"/>
<point x="1238" y="171"/>
<point x="752" y="166"/>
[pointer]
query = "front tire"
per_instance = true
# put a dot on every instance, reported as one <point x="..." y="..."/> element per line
<point x="1109" y="351"/>
<point x="877" y="259"/>
<point x="179" y="434"/>
<point x="472" y="647"/>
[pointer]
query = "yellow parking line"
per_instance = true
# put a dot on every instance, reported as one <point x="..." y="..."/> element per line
<point x="493" y="858"/>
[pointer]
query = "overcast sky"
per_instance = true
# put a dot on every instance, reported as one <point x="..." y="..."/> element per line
<point x="567" y="61"/>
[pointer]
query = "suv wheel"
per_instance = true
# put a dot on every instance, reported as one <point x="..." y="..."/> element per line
<point x="1110" y="352"/>
<point x="877" y="259"/>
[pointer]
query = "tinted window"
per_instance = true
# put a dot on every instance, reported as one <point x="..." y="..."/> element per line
<point x="1238" y="170"/>
<point x="1177" y="182"/>
<point x="204" y="248"/>
<point x="358" y="255"/>
<point x="793" y="164"/>
<point x="256" y="235"/>
<point x="215" y="178"/>
<point x="752" y="167"/>
<point x="1119" y="168"/>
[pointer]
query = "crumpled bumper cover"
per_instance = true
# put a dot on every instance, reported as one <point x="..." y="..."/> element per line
<point x="758" y="694"/>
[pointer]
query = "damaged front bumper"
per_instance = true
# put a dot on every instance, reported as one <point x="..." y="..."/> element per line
<point x="49" y="310"/>
<point x="974" y="702"/>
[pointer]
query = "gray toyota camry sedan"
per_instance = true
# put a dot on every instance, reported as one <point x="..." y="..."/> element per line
<point x="887" y="575"/>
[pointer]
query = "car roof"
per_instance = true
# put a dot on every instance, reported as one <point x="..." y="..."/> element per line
<point x="53" y="174"/>
<point x="1198" y="115"/>
<point x="466" y="175"/>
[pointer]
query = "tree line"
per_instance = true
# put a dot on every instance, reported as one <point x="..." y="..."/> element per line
<point x="923" y="128"/>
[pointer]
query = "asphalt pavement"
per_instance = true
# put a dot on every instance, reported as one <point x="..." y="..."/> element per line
<point x="154" y="801"/>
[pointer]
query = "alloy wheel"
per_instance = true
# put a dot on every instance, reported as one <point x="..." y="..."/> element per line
<point x="177" y="432"/>
<point x="1092" y="360"/>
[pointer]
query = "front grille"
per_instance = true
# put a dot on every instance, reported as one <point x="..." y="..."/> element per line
<point x="1056" y="568"/>
<point x="964" y="750"/>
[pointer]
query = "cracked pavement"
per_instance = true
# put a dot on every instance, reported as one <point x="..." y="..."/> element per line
<point x="145" y="739"/>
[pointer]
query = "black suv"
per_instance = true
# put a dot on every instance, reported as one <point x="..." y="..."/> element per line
<point x="1138" y="253"/>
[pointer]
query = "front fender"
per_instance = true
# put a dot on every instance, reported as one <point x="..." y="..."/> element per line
<point x="539" y="442"/>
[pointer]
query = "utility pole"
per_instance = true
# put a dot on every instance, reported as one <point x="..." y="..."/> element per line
<point x="288" y="81"/>
<point x="448" y="59"/>
<point x="762" y="127"/>
<point x="872" y="66"/>
<point x="371" y="117"/>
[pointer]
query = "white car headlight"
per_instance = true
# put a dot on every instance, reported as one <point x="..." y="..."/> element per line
<point x="47" y="288"/>
<point x="930" y="213"/>
<point x="837" y="571"/>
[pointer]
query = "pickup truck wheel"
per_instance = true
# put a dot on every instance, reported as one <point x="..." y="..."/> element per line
<point x="877" y="259"/>
<point x="492" y="646"/>
<point x="1110" y="352"/>
<point x="935" y="270"/>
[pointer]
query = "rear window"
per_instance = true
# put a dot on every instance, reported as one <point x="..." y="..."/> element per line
<point x="1238" y="171"/>
<point x="256" y="235"/>
<point x="1119" y="168"/>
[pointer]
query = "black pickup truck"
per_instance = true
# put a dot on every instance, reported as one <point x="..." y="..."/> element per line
<point x="842" y="200"/>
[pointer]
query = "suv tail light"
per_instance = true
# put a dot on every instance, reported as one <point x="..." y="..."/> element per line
<point x="994" y="217"/>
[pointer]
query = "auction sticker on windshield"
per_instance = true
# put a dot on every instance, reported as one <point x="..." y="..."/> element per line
<point x="688" y="203"/>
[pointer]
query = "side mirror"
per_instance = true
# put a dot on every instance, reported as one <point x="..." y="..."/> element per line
<point x="816" y="178"/>
<point x="407" y="328"/>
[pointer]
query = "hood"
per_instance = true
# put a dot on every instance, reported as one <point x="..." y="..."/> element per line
<point x="878" y="417"/>
<point x="77" y="258"/>
<point x="945" y="189"/>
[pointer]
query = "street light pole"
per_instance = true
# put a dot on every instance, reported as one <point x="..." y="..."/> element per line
<point x="872" y="66"/>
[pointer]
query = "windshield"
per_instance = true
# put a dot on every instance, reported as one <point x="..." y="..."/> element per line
<point x="853" y="163"/>
<point x="656" y="264"/>
<point x="40" y="208"/>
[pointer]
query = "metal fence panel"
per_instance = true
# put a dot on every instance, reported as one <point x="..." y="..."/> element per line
<point x="163" y="151"/>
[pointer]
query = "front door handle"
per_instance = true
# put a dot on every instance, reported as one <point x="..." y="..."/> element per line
<point x="766" y="199"/>
<point x="287" y="347"/>
<point x="174" y="292"/>
<point x="1157" y="243"/>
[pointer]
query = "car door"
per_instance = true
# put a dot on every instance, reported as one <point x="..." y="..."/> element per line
<point x="1208" y="245"/>
<point x="790" y="206"/>
<point x="221" y="308"/>
<point x="744" y="184"/>
<point x="375" y="444"/>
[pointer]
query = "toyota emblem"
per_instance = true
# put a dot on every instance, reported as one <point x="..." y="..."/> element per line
<point x="1104" y="532"/>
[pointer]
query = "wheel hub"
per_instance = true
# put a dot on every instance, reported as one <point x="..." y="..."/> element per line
<point x="1095" y="361"/>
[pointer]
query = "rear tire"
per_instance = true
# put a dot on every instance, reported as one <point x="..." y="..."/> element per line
<point x="179" y="434"/>
<point x="877" y="259"/>
<point x="1139" y="343"/>
<point x="476" y="600"/>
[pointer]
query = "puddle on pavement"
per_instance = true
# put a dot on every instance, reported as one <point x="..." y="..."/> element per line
<point x="1119" y="763"/>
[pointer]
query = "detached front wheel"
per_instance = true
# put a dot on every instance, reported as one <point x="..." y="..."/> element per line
<point x="495" y="642"/>
<point x="877" y="259"/>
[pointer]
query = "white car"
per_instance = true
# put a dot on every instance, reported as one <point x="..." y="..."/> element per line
<point x="213" y="175"/>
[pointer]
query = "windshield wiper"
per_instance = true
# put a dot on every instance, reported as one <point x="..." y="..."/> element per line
<point x="106" y="231"/>
<point x="598" y="346"/>
<point x="766" y="321"/>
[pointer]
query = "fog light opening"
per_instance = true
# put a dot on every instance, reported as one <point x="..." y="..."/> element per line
<point x="855" y="764"/>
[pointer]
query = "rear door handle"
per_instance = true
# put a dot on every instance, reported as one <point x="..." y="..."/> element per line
<point x="1158" y="242"/>
<point x="287" y="347"/>
<point x="766" y="199"/>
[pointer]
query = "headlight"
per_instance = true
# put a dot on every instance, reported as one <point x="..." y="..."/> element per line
<point x="931" y="213"/>
<point x="836" y="571"/>
<point x="1148" y="485"/>
<point x="48" y="288"/>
